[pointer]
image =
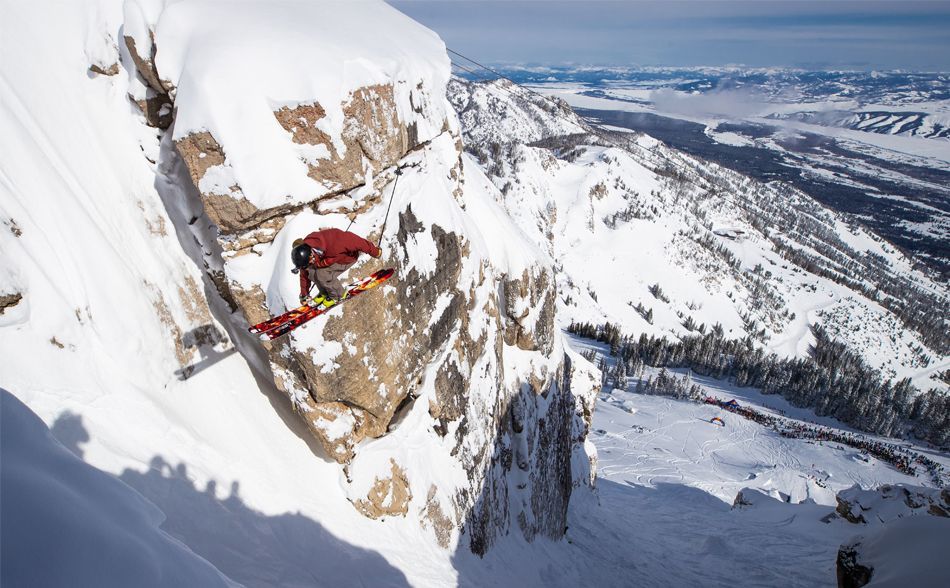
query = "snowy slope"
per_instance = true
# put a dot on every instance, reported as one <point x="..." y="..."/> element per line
<point x="108" y="289"/>
<point x="664" y="514"/>
<point x="623" y="215"/>
<point x="114" y="332"/>
<point x="885" y="551"/>
<point x="668" y="478"/>
<point x="103" y="532"/>
<point x="115" y="335"/>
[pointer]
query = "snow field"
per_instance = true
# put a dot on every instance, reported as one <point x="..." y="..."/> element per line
<point x="101" y="530"/>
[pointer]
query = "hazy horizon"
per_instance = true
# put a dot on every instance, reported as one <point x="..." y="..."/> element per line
<point x="839" y="35"/>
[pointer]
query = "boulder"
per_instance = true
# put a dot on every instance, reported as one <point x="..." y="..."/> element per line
<point x="389" y="496"/>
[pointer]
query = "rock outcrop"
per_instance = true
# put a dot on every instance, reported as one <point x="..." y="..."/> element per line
<point x="446" y="394"/>
<point x="906" y="525"/>
<point x="373" y="139"/>
<point x="9" y="300"/>
<point x="850" y="572"/>
<point x="891" y="502"/>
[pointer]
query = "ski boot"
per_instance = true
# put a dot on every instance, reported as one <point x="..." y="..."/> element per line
<point x="331" y="302"/>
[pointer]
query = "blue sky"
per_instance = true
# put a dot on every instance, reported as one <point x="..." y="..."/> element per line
<point x="869" y="34"/>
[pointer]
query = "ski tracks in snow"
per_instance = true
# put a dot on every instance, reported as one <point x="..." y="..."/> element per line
<point x="667" y="477"/>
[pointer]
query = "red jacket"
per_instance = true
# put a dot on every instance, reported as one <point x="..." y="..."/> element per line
<point x="339" y="247"/>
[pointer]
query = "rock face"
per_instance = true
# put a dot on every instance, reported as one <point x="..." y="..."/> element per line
<point x="153" y="97"/>
<point x="446" y="393"/>
<point x="372" y="132"/>
<point x="373" y="139"/>
<point x="850" y="573"/>
<point x="529" y="477"/>
<point x="9" y="300"/>
<point x="389" y="496"/>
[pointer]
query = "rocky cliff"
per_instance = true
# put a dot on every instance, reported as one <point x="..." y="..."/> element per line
<point x="447" y="395"/>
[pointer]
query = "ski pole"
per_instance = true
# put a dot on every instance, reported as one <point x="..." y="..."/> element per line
<point x="393" y="193"/>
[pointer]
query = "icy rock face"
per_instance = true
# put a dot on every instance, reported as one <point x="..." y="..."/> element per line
<point x="446" y="392"/>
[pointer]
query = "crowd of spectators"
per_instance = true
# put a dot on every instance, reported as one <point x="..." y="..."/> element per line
<point x="901" y="458"/>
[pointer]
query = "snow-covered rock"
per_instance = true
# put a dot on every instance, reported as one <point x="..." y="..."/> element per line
<point x="890" y="502"/>
<point x="135" y="255"/>
<point x="459" y="352"/>
<point x="271" y="115"/>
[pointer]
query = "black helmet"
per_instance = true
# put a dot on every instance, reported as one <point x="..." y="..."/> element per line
<point x="301" y="256"/>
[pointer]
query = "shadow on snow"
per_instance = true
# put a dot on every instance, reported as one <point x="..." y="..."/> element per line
<point x="246" y="545"/>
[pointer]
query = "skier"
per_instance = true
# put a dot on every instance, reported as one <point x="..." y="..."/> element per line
<point x="321" y="257"/>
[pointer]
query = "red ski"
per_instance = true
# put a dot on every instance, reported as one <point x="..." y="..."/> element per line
<point x="290" y="320"/>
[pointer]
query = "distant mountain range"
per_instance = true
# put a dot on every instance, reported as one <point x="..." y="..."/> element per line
<point x="873" y="145"/>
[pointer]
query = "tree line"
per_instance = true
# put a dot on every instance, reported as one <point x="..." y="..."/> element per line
<point x="832" y="380"/>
